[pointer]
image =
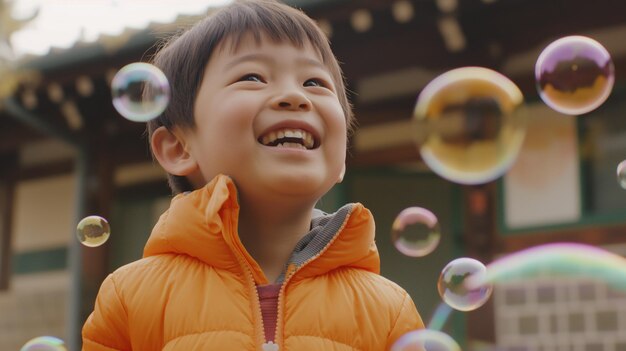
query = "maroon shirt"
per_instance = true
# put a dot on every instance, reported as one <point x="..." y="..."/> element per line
<point x="268" y="297"/>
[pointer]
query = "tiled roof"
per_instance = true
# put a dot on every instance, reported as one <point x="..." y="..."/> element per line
<point x="128" y="38"/>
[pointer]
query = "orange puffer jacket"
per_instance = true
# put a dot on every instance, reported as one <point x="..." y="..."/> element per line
<point x="195" y="289"/>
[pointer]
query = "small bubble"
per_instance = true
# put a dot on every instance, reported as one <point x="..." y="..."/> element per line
<point x="621" y="174"/>
<point x="140" y="92"/>
<point x="44" y="343"/>
<point x="453" y="287"/>
<point x="574" y="75"/>
<point x="93" y="231"/>
<point x="425" y="340"/>
<point x="415" y="232"/>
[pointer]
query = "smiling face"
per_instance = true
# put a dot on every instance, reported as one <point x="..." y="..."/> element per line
<point x="268" y="116"/>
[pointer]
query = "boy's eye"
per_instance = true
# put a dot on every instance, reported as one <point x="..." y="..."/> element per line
<point x="251" y="77"/>
<point x="314" y="82"/>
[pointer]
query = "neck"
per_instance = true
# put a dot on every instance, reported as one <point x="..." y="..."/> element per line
<point x="271" y="231"/>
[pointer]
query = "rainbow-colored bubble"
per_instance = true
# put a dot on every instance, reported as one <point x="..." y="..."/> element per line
<point x="470" y="124"/>
<point x="44" y="343"/>
<point x="574" y="75"/>
<point x="425" y="340"/>
<point x="415" y="232"/>
<point x="568" y="259"/>
<point x="140" y="92"/>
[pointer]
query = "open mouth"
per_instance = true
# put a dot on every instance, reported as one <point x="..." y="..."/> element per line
<point x="288" y="137"/>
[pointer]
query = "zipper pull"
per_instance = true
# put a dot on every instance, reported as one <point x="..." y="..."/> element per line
<point x="270" y="346"/>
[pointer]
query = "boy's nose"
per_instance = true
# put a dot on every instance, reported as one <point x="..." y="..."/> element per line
<point x="293" y="100"/>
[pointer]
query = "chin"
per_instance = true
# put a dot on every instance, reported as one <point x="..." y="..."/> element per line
<point x="306" y="185"/>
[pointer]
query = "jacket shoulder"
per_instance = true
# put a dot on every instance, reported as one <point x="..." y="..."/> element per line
<point x="350" y="301"/>
<point x="375" y="283"/>
<point x="398" y="304"/>
<point x="140" y="267"/>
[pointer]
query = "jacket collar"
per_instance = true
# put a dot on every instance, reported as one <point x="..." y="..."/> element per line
<point x="203" y="224"/>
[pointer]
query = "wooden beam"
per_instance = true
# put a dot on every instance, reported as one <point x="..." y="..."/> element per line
<point x="519" y="27"/>
<point x="493" y="33"/>
<point x="14" y="134"/>
<point x="402" y="48"/>
<point x="39" y="122"/>
<point x="340" y="11"/>
<point x="592" y="235"/>
<point x="388" y="110"/>
<point x="386" y="157"/>
<point x="7" y="194"/>
<point x="45" y="170"/>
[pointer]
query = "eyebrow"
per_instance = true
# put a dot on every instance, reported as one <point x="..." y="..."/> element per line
<point x="246" y="58"/>
<point x="261" y="57"/>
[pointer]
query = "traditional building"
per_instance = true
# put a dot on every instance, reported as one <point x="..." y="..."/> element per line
<point x="65" y="153"/>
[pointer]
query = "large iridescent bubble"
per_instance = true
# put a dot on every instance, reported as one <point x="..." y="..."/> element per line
<point x="140" y="92"/>
<point x="566" y="259"/>
<point x="574" y="75"/>
<point x="470" y="124"/>
<point x="425" y="340"/>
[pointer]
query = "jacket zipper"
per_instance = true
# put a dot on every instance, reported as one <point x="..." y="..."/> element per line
<point x="279" y="320"/>
<point x="260" y="333"/>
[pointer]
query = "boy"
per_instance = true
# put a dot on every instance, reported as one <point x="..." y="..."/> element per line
<point x="255" y="133"/>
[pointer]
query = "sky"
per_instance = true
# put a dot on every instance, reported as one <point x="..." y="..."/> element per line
<point x="61" y="23"/>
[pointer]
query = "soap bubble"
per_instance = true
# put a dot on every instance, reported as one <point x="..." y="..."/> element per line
<point x="93" y="231"/>
<point x="44" y="343"/>
<point x="621" y="174"/>
<point x="564" y="259"/>
<point x="440" y="316"/>
<point x="470" y="125"/>
<point x="425" y="340"/>
<point x="452" y="284"/>
<point x="574" y="75"/>
<point x="140" y="92"/>
<point x="415" y="232"/>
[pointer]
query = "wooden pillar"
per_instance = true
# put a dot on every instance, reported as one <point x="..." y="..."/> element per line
<point x="89" y="265"/>
<point x="7" y="191"/>
<point x="480" y="241"/>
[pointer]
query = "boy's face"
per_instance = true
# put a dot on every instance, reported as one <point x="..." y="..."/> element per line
<point x="268" y="116"/>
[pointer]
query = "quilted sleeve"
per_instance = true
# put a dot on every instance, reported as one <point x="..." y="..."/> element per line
<point x="408" y="319"/>
<point x="106" y="329"/>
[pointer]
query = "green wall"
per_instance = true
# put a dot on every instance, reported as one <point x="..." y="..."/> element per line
<point x="387" y="192"/>
<point x="131" y="225"/>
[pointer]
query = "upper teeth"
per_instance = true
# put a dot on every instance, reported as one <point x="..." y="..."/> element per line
<point x="306" y="137"/>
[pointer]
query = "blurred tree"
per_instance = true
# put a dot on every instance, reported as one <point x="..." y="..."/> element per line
<point x="9" y="24"/>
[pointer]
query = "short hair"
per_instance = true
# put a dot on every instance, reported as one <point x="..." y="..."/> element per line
<point x="184" y="57"/>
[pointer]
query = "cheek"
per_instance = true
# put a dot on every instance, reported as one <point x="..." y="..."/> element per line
<point x="238" y="110"/>
<point x="333" y="114"/>
<point x="229" y="119"/>
<point x="337" y="124"/>
<point x="337" y="130"/>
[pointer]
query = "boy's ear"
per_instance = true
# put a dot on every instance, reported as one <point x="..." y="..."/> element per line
<point x="171" y="152"/>
<point x="343" y="173"/>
